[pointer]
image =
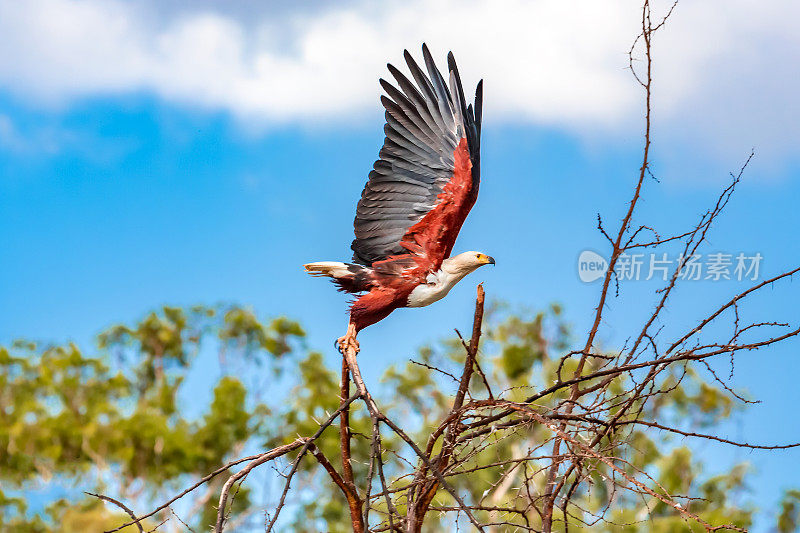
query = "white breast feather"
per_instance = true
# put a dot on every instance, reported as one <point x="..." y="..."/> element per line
<point x="436" y="288"/>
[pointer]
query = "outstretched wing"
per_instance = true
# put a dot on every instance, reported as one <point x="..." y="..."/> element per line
<point x="426" y="178"/>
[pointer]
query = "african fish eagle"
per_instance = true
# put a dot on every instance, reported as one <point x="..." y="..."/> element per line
<point x="419" y="193"/>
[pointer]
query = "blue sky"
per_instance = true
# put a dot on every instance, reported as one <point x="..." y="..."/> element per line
<point x="201" y="155"/>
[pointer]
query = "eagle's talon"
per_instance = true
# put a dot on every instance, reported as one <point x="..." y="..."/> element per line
<point x="348" y="341"/>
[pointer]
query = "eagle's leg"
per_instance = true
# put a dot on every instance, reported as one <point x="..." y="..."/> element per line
<point x="348" y="342"/>
<point x="349" y="347"/>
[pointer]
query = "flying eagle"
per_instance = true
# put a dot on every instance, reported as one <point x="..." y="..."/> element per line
<point x="418" y="195"/>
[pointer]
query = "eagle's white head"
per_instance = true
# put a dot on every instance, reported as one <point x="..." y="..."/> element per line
<point x="464" y="263"/>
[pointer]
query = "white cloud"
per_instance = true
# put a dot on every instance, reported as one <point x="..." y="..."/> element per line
<point x="723" y="73"/>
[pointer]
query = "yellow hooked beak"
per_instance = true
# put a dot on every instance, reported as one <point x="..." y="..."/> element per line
<point x="486" y="259"/>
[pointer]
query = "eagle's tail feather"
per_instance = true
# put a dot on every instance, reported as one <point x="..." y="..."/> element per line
<point x="349" y="278"/>
<point x="332" y="269"/>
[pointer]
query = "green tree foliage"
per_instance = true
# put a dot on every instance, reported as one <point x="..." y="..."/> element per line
<point x="116" y="422"/>
<point x="789" y="518"/>
<point x="112" y="421"/>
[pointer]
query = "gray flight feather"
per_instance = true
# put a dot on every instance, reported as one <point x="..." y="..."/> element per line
<point x="425" y="121"/>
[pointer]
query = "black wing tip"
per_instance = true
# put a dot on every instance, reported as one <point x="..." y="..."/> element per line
<point x="390" y="106"/>
<point x="479" y="104"/>
<point x="426" y="53"/>
<point x="409" y="59"/>
<point x="399" y="76"/>
<point x="453" y="69"/>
